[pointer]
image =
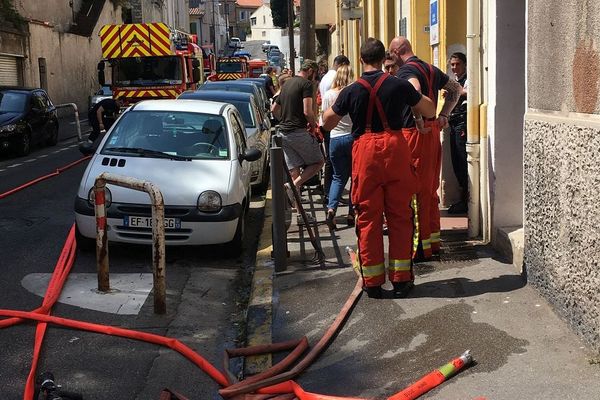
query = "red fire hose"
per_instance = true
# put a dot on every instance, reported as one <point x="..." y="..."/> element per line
<point x="273" y="384"/>
<point x="42" y="178"/>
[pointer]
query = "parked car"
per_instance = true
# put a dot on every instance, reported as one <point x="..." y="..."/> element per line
<point x="239" y="85"/>
<point x="195" y="152"/>
<point x="105" y="92"/>
<point x="258" y="134"/>
<point x="27" y="117"/>
<point x="235" y="42"/>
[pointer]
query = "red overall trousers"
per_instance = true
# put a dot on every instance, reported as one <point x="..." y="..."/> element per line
<point x="383" y="181"/>
<point x="426" y="152"/>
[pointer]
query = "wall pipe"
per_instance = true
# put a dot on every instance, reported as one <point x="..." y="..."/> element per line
<point x="473" y="103"/>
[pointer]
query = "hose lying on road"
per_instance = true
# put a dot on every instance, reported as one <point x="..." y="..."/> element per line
<point x="42" y="178"/>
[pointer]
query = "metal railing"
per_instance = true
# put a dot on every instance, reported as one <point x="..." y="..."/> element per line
<point x="74" y="106"/>
<point x="158" y="234"/>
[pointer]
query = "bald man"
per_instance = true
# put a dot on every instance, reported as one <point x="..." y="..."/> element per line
<point x="423" y="137"/>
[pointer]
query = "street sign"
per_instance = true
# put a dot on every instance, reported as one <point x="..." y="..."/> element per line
<point x="434" y="37"/>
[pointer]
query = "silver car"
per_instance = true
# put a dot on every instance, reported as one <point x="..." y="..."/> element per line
<point x="195" y="152"/>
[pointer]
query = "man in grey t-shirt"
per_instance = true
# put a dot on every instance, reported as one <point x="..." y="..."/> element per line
<point x="295" y="108"/>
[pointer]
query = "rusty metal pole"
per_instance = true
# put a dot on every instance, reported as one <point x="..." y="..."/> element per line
<point x="101" y="235"/>
<point x="158" y="234"/>
<point x="158" y="248"/>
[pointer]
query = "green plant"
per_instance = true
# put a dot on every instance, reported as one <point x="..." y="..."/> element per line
<point x="10" y="15"/>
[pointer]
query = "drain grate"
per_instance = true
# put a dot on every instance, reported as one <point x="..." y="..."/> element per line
<point x="456" y="248"/>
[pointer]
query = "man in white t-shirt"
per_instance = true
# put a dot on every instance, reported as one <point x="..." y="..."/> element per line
<point x="324" y="86"/>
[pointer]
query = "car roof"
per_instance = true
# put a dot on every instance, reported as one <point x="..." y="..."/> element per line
<point x="230" y="83"/>
<point x="217" y="95"/>
<point x="19" y="88"/>
<point x="204" y="106"/>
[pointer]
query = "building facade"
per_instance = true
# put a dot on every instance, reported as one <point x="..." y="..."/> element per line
<point x="58" y="44"/>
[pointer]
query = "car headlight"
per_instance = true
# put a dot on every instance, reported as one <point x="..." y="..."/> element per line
<point x="107" y="197"/>
<point x="8" y="128"/>
<point x="209" y="201"/>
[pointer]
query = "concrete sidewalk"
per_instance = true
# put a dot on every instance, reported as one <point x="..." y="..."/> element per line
<point x="469" y="299"/>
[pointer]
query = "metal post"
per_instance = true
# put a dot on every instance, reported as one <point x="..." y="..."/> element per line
<point x="290" y="10"/>
<point x="158" y="234"/>
<point x="101" y="235"/>
<point x="278" y="207"/>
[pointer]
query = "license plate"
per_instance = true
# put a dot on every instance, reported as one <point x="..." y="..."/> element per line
<point x="146" y="222"/>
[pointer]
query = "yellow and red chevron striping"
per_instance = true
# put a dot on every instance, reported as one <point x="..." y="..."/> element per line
<point x="136" y="40"/>
<point x="147" y="93"/>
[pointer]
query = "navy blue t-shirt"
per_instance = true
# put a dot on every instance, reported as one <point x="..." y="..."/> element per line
<point x="409" y="70"/>
<point x="395" y="94"/>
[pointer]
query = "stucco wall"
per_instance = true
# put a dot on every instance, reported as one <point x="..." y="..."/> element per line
<point x="563" y="55"/>
<point x="561" y="159"/>
<point x="71" y="60"/>
<point x="562" y="176"/>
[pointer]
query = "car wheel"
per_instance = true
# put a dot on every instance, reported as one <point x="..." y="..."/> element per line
<point x="52" y="135"/>
<point x="234" y="247"/>
<point x="83" y="243"/>
<point x="24" y="144"/>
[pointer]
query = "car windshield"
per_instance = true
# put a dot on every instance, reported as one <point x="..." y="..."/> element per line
<point x="159" y="134"/>
<point x="104" y="91"/>
<point x="12" y="101"/>
<point x="229" y="67"/>
<point x="147" y="71"/>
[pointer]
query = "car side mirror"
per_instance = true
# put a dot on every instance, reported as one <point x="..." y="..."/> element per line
<point x="251" y="154"/>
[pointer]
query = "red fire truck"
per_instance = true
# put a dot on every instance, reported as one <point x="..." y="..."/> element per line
<point x="230" y="68"/>
<point x="149" y="61"/>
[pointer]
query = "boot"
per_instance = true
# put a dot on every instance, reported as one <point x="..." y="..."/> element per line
<point x="401" y="289"/>
<point x="373" y="292"/>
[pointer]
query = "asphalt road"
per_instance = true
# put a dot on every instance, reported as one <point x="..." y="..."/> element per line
<point x="206" y="294"/>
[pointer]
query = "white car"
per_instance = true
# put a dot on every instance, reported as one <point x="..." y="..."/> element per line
<point x="195" y="152"/>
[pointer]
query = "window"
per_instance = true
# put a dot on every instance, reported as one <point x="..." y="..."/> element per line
<point x="264" y="19"/>
<point x="264" y="33"/>
<point x="243" y="15"/>
<point x="238" y="132"/>
<point x="253" y="21"/>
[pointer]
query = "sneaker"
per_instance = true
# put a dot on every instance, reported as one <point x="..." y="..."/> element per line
<point x="401" y="289"/>
<point x="330" y="220"/>
<point x="373" y="292"/>
<point x="350" y="220"/>
<point x="290" y="195"/>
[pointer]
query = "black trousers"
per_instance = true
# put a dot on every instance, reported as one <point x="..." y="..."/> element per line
<point x="458" y="153"/>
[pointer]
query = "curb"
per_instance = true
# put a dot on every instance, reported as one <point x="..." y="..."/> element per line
<point x="259" y="316"/>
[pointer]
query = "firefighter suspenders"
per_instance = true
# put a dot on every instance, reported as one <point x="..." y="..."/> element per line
<point x="429" y="78"/>
<point x="374" y="101"/>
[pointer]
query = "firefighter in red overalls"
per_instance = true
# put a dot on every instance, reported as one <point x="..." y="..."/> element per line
<point x="383" y="178"/>
<point x="423" y="137"/>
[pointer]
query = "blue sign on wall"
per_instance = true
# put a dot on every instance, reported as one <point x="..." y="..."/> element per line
<point x="433" y="13"/>
<point x="433" y="22"/>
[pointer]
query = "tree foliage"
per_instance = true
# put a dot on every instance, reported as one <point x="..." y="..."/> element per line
<point x="279" y="12"/>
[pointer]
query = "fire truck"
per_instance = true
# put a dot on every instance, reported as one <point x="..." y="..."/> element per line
<point x="230" y="68"/>
<point x="149" y="61"/>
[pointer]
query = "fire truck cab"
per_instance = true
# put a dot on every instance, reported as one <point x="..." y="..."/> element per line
<point x="149" y="61"/>
<point x="230" y="68"/>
